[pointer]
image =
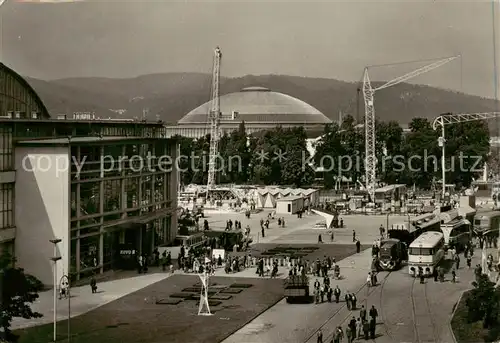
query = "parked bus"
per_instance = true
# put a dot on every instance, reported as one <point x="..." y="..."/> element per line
<point x="487" y="224"/>
<point x="426" y="252"/>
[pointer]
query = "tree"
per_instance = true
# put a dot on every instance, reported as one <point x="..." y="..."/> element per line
<point x="467" y="149"/>
<point x="353" y="157"/>
<point x="328" y="149"/>
<point x="483" y="302"/>
<point x="388" y="149"/>
<point x="19" y="291"/>
<point x="420" y="157"/>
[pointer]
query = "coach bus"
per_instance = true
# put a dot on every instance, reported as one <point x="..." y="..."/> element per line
<point x="407" y="232"/>
<point x="487" y="224"/>
<point x="426" y="251"/>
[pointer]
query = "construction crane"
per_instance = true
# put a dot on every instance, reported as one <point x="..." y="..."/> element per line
<point x="449" y="119"/>
<point x="214" y="118"/>
<point x="368" y="93"/>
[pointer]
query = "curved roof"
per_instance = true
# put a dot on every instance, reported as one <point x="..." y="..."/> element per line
<point x="25" y="84"/>
<point x="259" y="104"/>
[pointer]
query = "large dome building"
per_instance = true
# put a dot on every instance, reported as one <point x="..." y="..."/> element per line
<point x="260" y="109"/>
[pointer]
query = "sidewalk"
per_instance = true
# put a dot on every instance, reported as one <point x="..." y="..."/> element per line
<point x="82" y="300"/>
<point x="296" y="323"/>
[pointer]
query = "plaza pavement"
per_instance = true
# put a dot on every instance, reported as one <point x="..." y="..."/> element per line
<point x="82" y="300"/>
<point x="291" y="323"/>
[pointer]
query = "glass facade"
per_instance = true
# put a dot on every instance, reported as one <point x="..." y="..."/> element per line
<point x="117" y="184"/>
<point x="106" y="192"/>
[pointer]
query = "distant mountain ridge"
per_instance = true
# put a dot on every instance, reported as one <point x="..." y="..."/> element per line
<point x="172" y="95"/>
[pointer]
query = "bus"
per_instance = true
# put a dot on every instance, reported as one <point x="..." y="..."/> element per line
<point x="457" y="233"/>
<point x="426" y="251"/>
<point x="407" y="232"/>
<point x="188" y="242"/>
<point x="487" y="224"/>
<point x="392" y="254"/>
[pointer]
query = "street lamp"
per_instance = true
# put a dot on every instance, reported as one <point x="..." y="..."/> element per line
<point x="54" y="259"/>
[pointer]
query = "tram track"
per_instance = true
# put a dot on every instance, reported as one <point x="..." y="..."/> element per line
<point x="423" y="317"/>
<point x="332" y="317"/>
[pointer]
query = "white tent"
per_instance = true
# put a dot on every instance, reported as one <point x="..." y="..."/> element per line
<point x="261" y="200"/>
<point x="270" y="201"/>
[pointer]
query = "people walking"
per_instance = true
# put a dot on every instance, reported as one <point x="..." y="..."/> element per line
<point x="347" y="298"/>
<point x="353" y="301"/>
<point x="336" y="293"/>
<point x="362" y="313"/>
<point x="319" y="336"/>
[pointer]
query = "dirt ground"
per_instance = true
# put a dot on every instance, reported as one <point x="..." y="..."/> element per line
<point x="136" y="318"/>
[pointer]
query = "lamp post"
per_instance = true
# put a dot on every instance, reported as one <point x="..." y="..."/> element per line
<point x="54" y="259"/>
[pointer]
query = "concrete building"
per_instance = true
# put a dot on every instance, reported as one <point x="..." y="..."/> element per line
<point x="289" y="205"/>
<point x="105" y="188"/>
<point x="260" y="108"/>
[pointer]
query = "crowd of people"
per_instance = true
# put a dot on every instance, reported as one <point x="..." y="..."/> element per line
<point x="357" y="328"/>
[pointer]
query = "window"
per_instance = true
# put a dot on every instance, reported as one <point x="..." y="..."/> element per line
<point x="89" y="252"/>
<point x="132" y="192"/>
<point x="6" y="206"/>
<point x="6" y="161"/>
<point x="89" y="198"/>
<point x="421" y="251"/>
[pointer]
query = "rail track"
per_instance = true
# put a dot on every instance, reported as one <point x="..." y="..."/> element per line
<point x="369" y="291"/>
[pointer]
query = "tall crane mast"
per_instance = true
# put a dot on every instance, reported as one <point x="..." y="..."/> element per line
<point x="449" y="119"/>
<point x="368" y="94"/>
<point x="214" y="117"/>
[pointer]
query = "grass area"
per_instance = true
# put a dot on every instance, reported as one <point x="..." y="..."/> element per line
<point x="466" y="332"/>
<point x="138" y="318"/>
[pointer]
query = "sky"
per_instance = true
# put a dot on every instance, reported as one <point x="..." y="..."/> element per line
<point x="332" y="39"/>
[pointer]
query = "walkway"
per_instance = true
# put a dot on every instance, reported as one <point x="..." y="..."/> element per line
<point x="82" y="300"/>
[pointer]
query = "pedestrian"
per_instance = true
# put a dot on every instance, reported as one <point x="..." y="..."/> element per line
<point x="435" y="274"/>
<point x="362" y="313"/>
<point x="457" y="262"/>
<point x="93" y="284"/>
<point x="352" y="326"/>
<point x="453" y="276"/>
<point x="332" y="236"/>
<point x="336" y="293"/>
<point x="366" y="330"/>
<point x="353" y="301"/>
<point x="347" y="298"/>
<point x="348" y="333"/>
<point x="339" y="335"/>
<point x="358" y="246"/>
<point x="373" y="312"/>
<point x="469" y="261"/>
<point x="353" y="236"/>
<point x="320" y="240"/>
<point x="369" y="280"/>
<point x="373" y="325"/>
<point x="262" y="232"/>
<point x="319" y="336"/>
<point x="359" y="328"/>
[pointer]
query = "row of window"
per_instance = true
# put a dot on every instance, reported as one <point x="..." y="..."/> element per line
<point x="427" y="251"/>
<point x="120" y="194"/>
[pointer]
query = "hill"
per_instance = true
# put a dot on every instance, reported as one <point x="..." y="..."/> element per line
<point x="172" y="95"/>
